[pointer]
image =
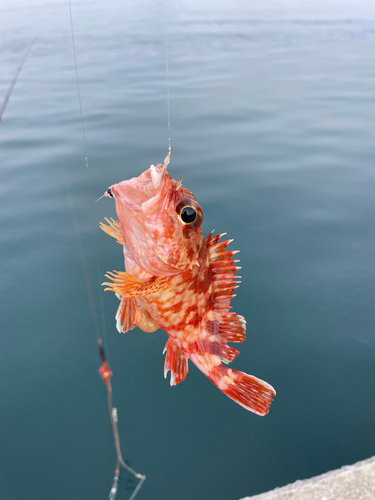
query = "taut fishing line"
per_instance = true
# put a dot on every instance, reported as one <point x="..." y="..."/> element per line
<point x="78" y="87"/>
<point x="167" y="78"/>
<point x="104" y="370"/>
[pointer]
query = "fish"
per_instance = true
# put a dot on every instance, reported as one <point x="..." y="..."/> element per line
<point x="179" y="281"/>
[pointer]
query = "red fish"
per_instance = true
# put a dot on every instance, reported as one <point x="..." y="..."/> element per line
<point x="181" y="282"/>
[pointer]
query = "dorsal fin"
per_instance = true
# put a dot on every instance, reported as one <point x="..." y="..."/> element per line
<point x="225" y="325"/>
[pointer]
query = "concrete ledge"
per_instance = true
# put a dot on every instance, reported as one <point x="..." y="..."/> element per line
<point x="352" y="482"/>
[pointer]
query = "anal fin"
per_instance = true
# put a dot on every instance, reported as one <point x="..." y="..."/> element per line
<point x="176" y="361"/>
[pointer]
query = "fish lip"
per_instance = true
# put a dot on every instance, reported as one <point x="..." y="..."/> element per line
<point x="121" y="194"/>
<point x="143" y="193"/>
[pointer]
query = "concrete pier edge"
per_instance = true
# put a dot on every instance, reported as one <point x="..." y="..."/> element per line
<point x="351" y="482"/>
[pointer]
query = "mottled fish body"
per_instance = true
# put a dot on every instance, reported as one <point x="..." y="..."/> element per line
<point x="181" y="282"/>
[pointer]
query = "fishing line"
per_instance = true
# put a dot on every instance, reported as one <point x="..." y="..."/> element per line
<point x="14" y="81"/>
<point x="167" y="76"/>
<point x="78" y="87"/>
<point x="104" y="371"/>
<point x="86" y="273"/>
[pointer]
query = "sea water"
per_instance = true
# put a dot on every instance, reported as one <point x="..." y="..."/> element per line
<point x="272" y="127"/>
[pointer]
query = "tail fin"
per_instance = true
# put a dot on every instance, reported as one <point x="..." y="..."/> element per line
<point x="250" y="392"/>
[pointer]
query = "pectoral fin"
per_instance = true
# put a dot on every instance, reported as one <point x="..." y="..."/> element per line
<point x="113" y="229"/>
<point x="127" y="285"/>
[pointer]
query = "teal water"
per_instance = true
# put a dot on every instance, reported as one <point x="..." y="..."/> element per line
<point x="272" y="127"/>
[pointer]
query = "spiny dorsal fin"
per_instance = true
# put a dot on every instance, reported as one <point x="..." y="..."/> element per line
<point x="225" y="326"/>
<point x="223" y="269"/>
<point x="113" y="229"/>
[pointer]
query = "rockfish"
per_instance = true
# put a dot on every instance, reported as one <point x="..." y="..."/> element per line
<point x="181" y="282"/>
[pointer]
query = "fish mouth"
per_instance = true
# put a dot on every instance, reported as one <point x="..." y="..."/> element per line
<point x="145" y="209"/>
<point x="143" y="193"/>
<point x="140" y="206"/>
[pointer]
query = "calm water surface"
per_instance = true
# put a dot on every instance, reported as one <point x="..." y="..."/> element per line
<point x="272" y="124"/>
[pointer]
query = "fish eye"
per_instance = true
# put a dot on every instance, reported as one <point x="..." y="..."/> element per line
<point x="189" y="215"/>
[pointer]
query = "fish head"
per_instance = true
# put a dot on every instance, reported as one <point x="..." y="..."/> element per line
<point x="160" y="222"/>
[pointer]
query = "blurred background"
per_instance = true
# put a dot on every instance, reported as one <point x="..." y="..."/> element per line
<point x="272" y="127"/>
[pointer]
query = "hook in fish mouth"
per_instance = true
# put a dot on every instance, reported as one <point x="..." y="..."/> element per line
<point x="108" y="193"/>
